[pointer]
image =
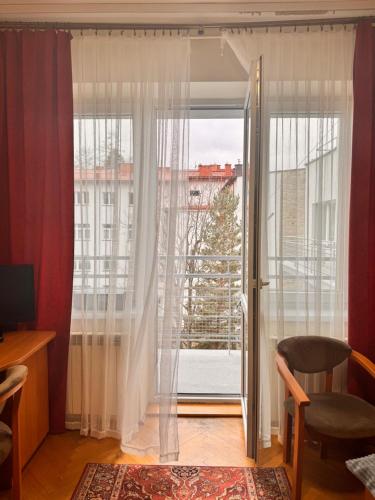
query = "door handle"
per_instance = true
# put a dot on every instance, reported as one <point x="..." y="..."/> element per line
<point x="263" y="283"/>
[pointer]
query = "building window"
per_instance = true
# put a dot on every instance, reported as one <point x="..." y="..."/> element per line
<point x="80" y="265"/>
<point x="324" y="220"/>
<point x="108" y="232"/>
<point x="195" y="192"/>
<point x="107" y="265"/>
<point x="131" y="198"/>
<point x="102" y="301"/>
<point x="82" y="232"/>
<point x="130" y="231"/>
<point x="108" y="198"/>
<point x="81" y="197"/>
<point x="120" y="301"/>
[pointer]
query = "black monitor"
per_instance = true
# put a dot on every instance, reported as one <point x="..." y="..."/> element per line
<point x="17" y="297"/>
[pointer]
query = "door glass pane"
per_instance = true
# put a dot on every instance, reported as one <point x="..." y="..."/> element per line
<point x="245" y="256"/>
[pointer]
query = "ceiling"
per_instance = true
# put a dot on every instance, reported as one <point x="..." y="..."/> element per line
<point x="188" y="12"/>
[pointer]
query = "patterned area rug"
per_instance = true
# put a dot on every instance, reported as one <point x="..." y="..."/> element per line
<point x="160" y="482"/>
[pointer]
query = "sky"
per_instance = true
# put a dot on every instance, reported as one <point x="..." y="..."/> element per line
<point x="215" y="141"/>
<point x="292" y="140"/>
<point x="212" y="140"/>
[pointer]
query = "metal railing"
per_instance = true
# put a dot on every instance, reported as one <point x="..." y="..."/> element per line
<point x="211" y="313"/>
<point x="212" y="289"/>
<point x="211" y="295"/>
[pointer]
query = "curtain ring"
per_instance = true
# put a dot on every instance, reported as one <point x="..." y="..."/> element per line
<point x="134" y="32"/>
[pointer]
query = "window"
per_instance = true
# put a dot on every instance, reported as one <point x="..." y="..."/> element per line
<point x="108" y="198"/>
<point x="81" y="197"/>
<point x="82" y="232"/>
<point x="80" y="265"/>
<point x="120" y="301"/>
<point x="131" y="198"/>
<point x="107" y="265"/>
<point x="102" y="301"/>
<point x="108" y="232"/>
<point x="324" y="220"/>
<point x="195" y="192"/>
<point x="130" y="231"/>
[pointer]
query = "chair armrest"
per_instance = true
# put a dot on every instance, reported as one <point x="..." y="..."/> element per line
<point x="295" y="389"/>
<point x="361" y="360"/>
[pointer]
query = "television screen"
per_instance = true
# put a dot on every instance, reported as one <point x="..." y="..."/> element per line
<point x="17" y="298"/>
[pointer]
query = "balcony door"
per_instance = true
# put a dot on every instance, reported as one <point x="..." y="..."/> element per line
<point x="251" y="253"/>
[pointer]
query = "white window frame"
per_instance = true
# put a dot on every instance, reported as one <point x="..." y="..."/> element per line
<point x="82" y="231"/>
<point x="108" y="198"/>
<point x="81" y="197"/>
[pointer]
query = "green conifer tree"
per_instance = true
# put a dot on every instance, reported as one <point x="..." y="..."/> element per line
<point x="222" y="237"/>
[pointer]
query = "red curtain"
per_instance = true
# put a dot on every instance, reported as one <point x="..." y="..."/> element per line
<point x="362" y="212"/>
<point x="36" y="183"/>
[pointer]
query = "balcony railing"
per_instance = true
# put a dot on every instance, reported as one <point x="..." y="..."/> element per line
<point x="211" y="296"/>
<point x="212" y="290"/>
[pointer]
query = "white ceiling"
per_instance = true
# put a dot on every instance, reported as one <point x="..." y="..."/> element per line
<point x="181" y="11"/>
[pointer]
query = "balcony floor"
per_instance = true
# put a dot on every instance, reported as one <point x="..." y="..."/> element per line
<point x="209" y="371"/>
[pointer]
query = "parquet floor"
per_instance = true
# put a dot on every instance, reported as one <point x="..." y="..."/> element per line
<point x="54" y="471"/>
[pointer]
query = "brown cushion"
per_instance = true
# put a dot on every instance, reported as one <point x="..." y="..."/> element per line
<point x="338" y="415"/>
<point x="5" y="441"/>
<point x="313" y="354"/>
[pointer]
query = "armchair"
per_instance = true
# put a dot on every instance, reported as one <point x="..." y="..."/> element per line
<point x="327" y="415"/>
<point x="11" y="388"/>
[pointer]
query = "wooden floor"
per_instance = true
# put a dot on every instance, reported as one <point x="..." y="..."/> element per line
<point x="54" y="471"/>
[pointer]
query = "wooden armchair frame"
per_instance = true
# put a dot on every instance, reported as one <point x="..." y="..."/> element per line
<point x="292" y="388"/>
<point x="15" y="393"/>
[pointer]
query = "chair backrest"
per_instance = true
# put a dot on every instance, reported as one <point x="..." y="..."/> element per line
<point x="14" y="380"/>
<point x="313" y="354"/>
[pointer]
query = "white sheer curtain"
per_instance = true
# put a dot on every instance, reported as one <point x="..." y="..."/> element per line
<point x="131" y="95"/>
<point x="306" y="156"/>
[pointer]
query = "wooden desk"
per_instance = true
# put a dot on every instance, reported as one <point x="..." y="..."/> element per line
<point x="30" y="348"/>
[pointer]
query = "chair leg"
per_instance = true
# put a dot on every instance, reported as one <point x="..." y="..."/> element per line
<point x="298" y="452"/>
<point x="6" y="474"/>
<point x="323" y="450"/>
<point x="16" y="477"/>
<point x="287" y="448"/>
<point x="16" y="460"/>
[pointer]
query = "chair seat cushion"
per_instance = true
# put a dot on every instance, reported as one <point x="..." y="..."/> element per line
<point x="338" y="415"/>
<point x="5" y="441"/>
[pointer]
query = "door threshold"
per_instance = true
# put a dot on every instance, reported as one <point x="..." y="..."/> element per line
<point x="209" y="409"/>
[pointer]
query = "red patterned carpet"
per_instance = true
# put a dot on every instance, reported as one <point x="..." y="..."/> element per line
<point x="157" y="482"/>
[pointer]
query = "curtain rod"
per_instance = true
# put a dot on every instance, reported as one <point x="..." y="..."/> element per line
<point x="199" y="27"/>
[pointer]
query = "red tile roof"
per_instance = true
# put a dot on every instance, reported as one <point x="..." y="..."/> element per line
<point x="125" y="173"/>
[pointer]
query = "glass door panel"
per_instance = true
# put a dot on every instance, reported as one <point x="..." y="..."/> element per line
<point x="251" y="281"/>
